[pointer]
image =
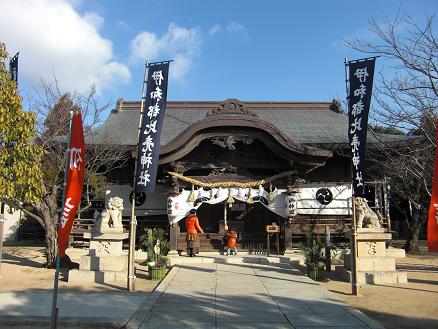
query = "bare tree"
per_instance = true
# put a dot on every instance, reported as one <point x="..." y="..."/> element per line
<point x="52" y="108"/>
<point x="406" y="98"/>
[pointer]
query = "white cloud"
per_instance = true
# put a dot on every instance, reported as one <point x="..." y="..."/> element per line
<point x="123" y="25"/>
<point x="94" y="19"/>
<point x="234" y="29"/>
<point x="178" y="43"/>
<point x="145" y="46"/>
<point x="111" y="72"/>
<point x="215" y="29"/>
<point x="54" y="39"/>
<point x="237" y="29"/>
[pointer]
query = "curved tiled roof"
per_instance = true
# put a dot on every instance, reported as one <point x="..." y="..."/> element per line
<point x="306" y="123"/>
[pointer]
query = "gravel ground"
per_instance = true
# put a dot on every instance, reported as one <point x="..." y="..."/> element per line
<point x="411" y="305"/>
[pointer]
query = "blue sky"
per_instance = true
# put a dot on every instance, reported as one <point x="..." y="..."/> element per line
<point x="248" y="49"/>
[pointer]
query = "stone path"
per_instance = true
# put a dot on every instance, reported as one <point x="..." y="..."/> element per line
<point x="243" y="296"/>
<point x="91" y="309"/>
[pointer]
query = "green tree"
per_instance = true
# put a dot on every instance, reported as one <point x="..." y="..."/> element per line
<point x="20" y="156"/>
<point x="32" y="157"/>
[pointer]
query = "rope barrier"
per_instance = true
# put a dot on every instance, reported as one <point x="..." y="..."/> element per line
<point x="232" y="184"/>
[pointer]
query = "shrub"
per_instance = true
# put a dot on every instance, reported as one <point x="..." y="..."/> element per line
<point x="155" y="243"/>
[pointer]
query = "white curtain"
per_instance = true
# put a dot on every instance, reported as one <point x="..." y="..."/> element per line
<point x="179" y="206"/>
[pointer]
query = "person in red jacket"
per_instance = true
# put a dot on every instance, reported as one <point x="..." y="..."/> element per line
<point x="192" y="238"/>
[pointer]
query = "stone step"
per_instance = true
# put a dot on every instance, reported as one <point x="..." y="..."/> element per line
<point x="206" y="257"/>
<point x="372" y="264"/>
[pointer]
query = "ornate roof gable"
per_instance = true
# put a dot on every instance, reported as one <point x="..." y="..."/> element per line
<point x="231" y="106"/>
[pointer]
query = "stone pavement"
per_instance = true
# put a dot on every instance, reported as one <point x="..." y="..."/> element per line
<point x="243" y="295"/>
<point x="82" y="309"/>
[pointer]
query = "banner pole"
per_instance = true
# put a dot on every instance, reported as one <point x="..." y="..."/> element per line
<point x="353" y="233"/>
<point x="131" y="256"/>
<point x="346" y="80"/>
<point x="133" y="226"/>
<point x="54" y="316"/>
<point x="354" y="284"/>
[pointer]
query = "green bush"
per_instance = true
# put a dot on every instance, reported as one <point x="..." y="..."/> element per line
<point x="314" y="250"/>
<point x="155" y="243"/>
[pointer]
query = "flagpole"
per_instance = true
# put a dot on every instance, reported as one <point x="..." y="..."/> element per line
<point x="353" y="233"/>
<point x="54" y="317"/>
<point x="13" y="63"/>
<point x="133" y="227"/>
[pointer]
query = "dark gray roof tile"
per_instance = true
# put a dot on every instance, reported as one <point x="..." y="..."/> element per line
<point x="306" y="123"/>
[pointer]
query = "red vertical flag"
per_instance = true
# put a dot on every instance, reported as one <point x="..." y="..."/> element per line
<point x="74" y="181"/>
<point x="432" y="225"/>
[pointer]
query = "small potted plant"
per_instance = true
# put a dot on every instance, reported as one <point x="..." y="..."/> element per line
<point x="313" y="249"/>
<point x="157" y="269"/>
<point x="157" y="247"/>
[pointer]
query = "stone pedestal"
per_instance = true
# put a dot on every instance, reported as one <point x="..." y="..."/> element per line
<point x="374" y="264"/>
<point x="106" y="261"/>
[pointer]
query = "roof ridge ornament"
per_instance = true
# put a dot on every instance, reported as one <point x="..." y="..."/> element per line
<point x="231" y="106"/>
<point x="336" y="106"/>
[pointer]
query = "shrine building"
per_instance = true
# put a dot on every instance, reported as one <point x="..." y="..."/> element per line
<point x="242" y="165"/>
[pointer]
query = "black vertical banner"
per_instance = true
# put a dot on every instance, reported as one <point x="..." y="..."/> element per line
<point x="361" y="74"/>
<point x="13" y="67"/>
<point x="151" y="124"/>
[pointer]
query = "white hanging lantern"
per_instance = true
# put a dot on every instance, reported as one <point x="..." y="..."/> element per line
<point x="291" y="205"/>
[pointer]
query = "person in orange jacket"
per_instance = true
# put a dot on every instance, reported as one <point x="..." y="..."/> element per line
<point x="231" y="241"/>
<point x="192" y="238"/>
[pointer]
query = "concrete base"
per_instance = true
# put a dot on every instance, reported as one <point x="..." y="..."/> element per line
<point x="104" y="263"/>
<point x="373" y="270"/>
<point x="375" y="263"/>
<point x="383" y="277"/>
<point x="395" y="252"/>
<point x="388" y="277"/>
<point x="97" y="276"/>
<point x="372" y="264"/>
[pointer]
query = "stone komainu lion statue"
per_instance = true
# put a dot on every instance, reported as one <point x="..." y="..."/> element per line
<point x="366" y="217"/>
<point x="111" y="217"/>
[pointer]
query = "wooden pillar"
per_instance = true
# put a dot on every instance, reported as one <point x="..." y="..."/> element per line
<point x="328" y="258"/>
<point x="288" y="245"/>
<point x="268" y="251"/>
<point x="174" y="234"/>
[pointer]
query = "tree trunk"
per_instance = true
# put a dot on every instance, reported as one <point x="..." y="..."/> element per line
<point x="51" y="239"/>
<point x="414" y="226"/>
